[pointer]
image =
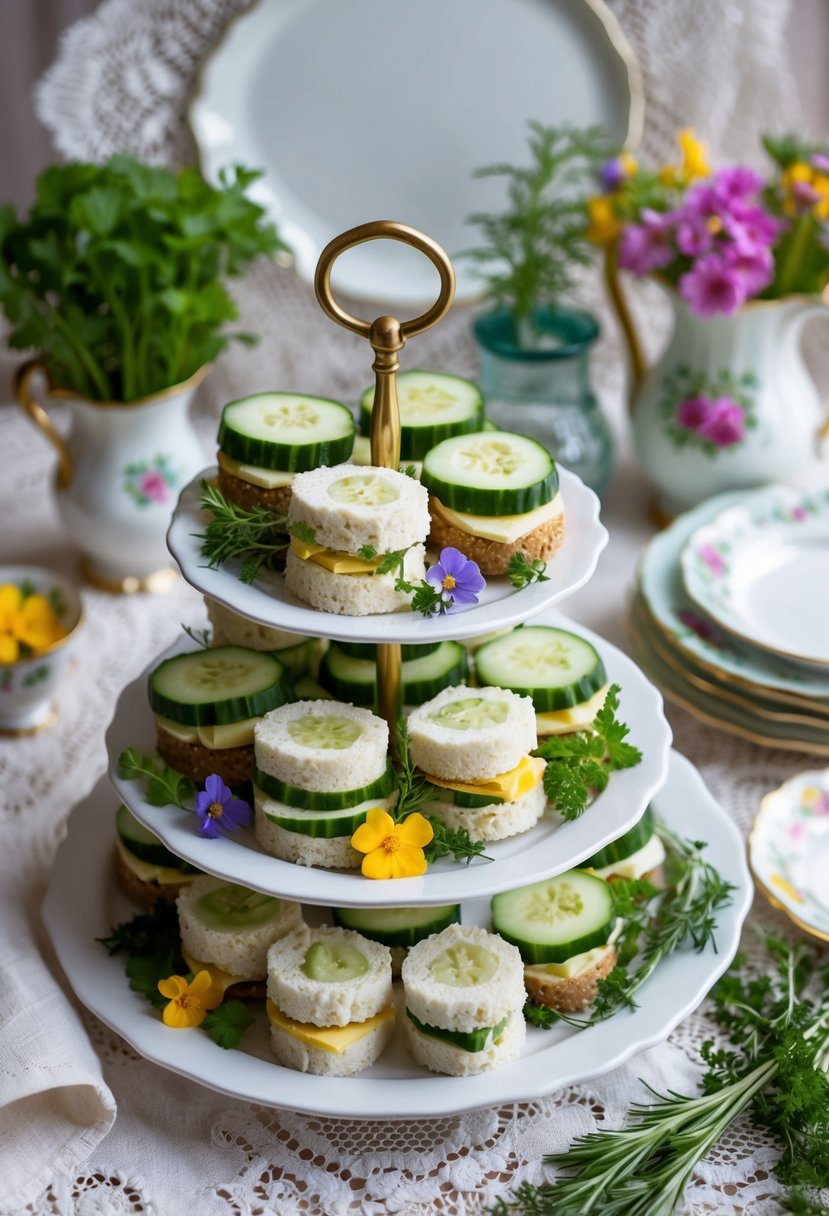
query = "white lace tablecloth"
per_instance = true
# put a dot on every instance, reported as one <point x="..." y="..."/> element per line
<point x="121" y="81"/>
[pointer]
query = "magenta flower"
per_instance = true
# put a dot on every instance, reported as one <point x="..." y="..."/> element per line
<point x="701" y="201"/>
<point x="725" y="424"/>
<point x="693" y="235"/>
<point x="153" y="486"/>
<point x="692" y="412"/>
<point x="821" y="162"/>
<point x="755" y="267"/>
<point x="799" y="513"/>
<point x="712" y="558"/>
<point x="646" y="246"/>
<point x="737" y="181"/>
<point x="712" y="286"/>
<point x="218" y="810"/>
<point x="750" y="226"/>
<point x="459" y="579"/>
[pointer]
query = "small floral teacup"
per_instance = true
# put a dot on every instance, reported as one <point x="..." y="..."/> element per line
<point x="36" y="647"/>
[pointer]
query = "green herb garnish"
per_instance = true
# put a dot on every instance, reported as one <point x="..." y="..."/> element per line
<point x="521" y="571"/>
<point x="367" y="552"/>
<point x="254" y="535"/>
<point x="165" y="786"/>
<point x="453" y="842"/>
<point x="200" y="636"/>
<point x="227" y="1023"/>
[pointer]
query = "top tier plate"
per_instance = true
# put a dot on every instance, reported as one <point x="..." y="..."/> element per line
<point x="268" y="602"/>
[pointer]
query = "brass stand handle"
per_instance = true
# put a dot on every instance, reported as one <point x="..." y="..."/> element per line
<point x="38" y="415"/>
<point x="386" y="334"/>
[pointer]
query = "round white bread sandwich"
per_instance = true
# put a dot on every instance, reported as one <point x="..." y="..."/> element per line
<point x="324" y="746"/>
<point x="471" y="735"/>
<point x="312" y="838"/>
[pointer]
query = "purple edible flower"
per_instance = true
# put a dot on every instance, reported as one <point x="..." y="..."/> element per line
<point x="737" y="181"/>
<point x="612" y="174"/>
<point x="693" y="235"/>
<point x="755" y="267"/>
<point x="646" y="246"/>
<point x="459" y="579"/>
<point x="218" y="810"/>
<point x="725" y="424"/>
<point x="712" y="286"/>
<point x="750" y="227"/>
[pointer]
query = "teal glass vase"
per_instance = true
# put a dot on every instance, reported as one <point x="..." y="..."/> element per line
<point x="543" y="390"/>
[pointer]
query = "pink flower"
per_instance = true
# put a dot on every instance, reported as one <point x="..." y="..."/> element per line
<point x="750" y="226"/>
<point x="725" y="424"/>
<point x="692" y="412"/>
<point x="646" y="246"/>
<point x="755" y="267"/>
<point x="693" y="236"/>
<point x="799" y="513"/>
<point x="736" y="181"/>
<point x="712" y="286"/>
<point x="796" y="831"/>
<point x="712" y="558"/>
<point x="820" y="161"/>
<point x="153" y="486"/>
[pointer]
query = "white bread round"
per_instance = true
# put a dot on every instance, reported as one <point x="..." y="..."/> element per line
<point x="347" y="526"/>
<point x="329" y="852"/>
<point x="471" y="755"/>
<point x="496" y="821"/>
<point x="439" y="1056"/>
<point x="304" y="1058"/>
<point x="231" y="629"/>
<point x="321" y="769"/>
<point x="241" y="951"/>
<point x="463" y="1009"/>
<point x="353" y="594"/>
<point x="332" y="1003"/>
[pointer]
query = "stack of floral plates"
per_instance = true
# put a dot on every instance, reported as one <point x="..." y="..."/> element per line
<point x="730" y="615"/>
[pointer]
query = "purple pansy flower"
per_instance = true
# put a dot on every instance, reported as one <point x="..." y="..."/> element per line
<point x="218" y="810"/>
<point x="725" y="424"/>
<point x="712" y="286"/>
<point x="459" y="578"/>
<point x="646" y="246"/>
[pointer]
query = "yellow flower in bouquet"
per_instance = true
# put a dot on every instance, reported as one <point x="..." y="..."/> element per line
<point x="27" y="623"/>
<point x="694" y="161"/>
<point x="805" y="188"/>
<point x="604" y="225"/>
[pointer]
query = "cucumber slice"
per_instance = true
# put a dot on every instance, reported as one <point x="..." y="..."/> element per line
<point x="464" y="798"/>
<point x="232" y="907"/>
<point x="491" y="473"/>
<point x="218" y="686"/>
<point x="363" y="490"/>
<point x="464" y="965"/>
<point x="330" y="732"/>
<point x="309" y="689"/>
<point x="353" y="679"/>
<point x="286" y="431"/>
<point x="550" y="921"/>
<point x="315" y="800"/>
<point x="321" y="824"/>
<point x="433" y="407"/>
<point x="368" y="650"/>
<point x="298" y="659"/>
<point x="556" y="668"/>
<point x="471" y="1041"/>
<point x="397" y="926"/>
<point x="139" y="841"/>
<point x="334" y="962"/>
<point x="471" y="713"/>
<point x="626" y="845"/>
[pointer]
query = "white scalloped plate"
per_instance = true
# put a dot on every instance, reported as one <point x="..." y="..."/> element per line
<point x="76" y="912"/>
<point x="549" y="848"/>
<point x="500" y="607"/>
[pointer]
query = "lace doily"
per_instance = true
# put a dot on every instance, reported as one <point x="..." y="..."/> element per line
<point x="122" y="81"/>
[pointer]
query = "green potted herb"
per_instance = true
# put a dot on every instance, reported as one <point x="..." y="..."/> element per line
<point x="116" y="278"/>
<point x="534" y="347"/>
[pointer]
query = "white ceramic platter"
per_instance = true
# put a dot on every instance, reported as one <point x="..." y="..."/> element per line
<point x="789" y="850"/>
<point x="549" y="848"/>
<point x="501" y="606"/>
<point x="76" y="912"/>
<point x="364" y="110"/>
<point x="761" y="570"/>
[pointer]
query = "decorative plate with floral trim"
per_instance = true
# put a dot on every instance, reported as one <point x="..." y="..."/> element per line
<point x="759" y="570"/>
<point x="789" y="850"/>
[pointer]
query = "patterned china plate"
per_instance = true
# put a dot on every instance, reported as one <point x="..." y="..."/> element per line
<point x="760" y="571"/>
<point x="789" y="850"/>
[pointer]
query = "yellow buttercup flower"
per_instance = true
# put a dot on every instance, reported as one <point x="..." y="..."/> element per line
<point x="28" y="621"/>
<point x="392" y="850"/>
<point x="188" y="1003"/>
<point x="604" y="226"/>
<point x="694" y="156"/>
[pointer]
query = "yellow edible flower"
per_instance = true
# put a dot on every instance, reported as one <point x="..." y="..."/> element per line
<point x="29" y="621"/>
<point x="392" y="850"/>
<point x="604" y="226"/>
<point x="189" y="1003"/>
<point x="694" y="155"/>
<point x="801" y="174"/>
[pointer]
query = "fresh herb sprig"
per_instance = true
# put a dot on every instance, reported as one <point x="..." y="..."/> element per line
<point x="200" y="636"/>
<point x="521" y="570"/>
<point x="453" y="842"/>
<point x="227" y="1023"/>
<point x="165" y="786"/>
<point x="580" y="764"/>
<point x="254" y="535"/>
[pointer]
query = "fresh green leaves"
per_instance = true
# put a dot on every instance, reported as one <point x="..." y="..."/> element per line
<point x="521" y="571"/>
<point x="254" y="535"/>
<point x="579" y="764"/>
<point x="116" y="276"/>
<point x="453" y="842"/>
<point x="302" y="531"/>
<point x="227" y="1023"/>
<point x="165" y="786"/>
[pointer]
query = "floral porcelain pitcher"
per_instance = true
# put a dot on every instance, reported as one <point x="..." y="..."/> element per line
<point x="729" y="403"/>
<point x="119" y="474"/>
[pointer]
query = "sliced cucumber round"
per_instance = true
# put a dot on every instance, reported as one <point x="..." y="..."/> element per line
<point x="316" y="800"/>
<point x="626" y="845"/>
<point x="364" y="490"/>
<point x="141" y="842"/>
<point x="464" y="799"/>
<point x="354" y="679"/>
<point x="324" y="825"/>
<point x="232" y="907"/>
<point x="328" y="732"/>
<point x="491" y="473"/>
<point x="472" y="1040"/>
<point x="368" y="650"/>
<point x="397" y="926"/>
<point x="334" y="962"/>
<point x="286" y="431"/>
<point x="557" y="669"/>
<point x="217" y="686"/>
<point x="471" y="713"/>
<point x="464" y="965"/>
<point x="550" y="921"/>
<point x="433" y="406"/>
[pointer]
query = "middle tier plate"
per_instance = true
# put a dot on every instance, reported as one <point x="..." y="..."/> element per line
<point x="501" y="606"/>
<point x="547" y="849"/>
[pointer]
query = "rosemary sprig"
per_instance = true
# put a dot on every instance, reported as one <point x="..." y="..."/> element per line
<point x="254" y="535"/>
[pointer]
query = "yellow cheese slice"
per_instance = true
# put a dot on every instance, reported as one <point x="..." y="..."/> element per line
<point x="266" y="479"/>
<point x="145" y="872"/>
<point x="330" y="559"/>
<point x="509" y="786"/>
<point x="185" y="734"/>
<point x="570" y="968"/>
<point x="232" y="734"/>
<point x="651" y="855"/>
<point x="335" y="1039"/>
<point x="577" y="717"/>
<point x="224" y="979"/>
<point x="504" y="528"/>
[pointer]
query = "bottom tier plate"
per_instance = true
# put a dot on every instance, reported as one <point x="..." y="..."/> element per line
<point x="82" y="903"/>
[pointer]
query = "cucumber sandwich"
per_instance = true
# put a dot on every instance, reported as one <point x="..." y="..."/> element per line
<point x="564" y="929"/>
<point x="433" y="407"/>
<point x="206" y="703"/>
<point x="562" y="674"/>
<point x="145" y="869"/>
<point x="349" y="677"/>
<point x="266" y="439"/>
<point x="344" y="522"/>
<point x="637" y="854"/>
<point x="320" y="766"/>
<point x="473" y="745"/>
<point x="329" y="1001"/>
<point x="227" y="930"/>
<point x="301" y="655"/>
<point x="464" y="993"/>
<point x="494" y="494"/>
<point x="397" y="928"/>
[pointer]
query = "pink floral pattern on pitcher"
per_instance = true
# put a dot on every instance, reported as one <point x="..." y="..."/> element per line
<point x="148" y="482"/>
<point x="712" y="414"/>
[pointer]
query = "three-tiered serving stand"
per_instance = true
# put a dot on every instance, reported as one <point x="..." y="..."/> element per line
<point x="394" y="1087"/>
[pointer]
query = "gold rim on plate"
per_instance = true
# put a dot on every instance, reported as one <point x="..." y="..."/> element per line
<point x="766" y="891"/>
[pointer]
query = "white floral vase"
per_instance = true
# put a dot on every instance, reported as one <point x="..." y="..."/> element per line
<point x="119" y="473"/>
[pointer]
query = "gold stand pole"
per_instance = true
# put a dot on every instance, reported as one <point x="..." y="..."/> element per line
<point x="387" y="337"/>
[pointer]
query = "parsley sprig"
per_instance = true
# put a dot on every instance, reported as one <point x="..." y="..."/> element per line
<point x="521" y="570"/>
<point x="165" y="786"/>
<point x="580" y="764"/>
